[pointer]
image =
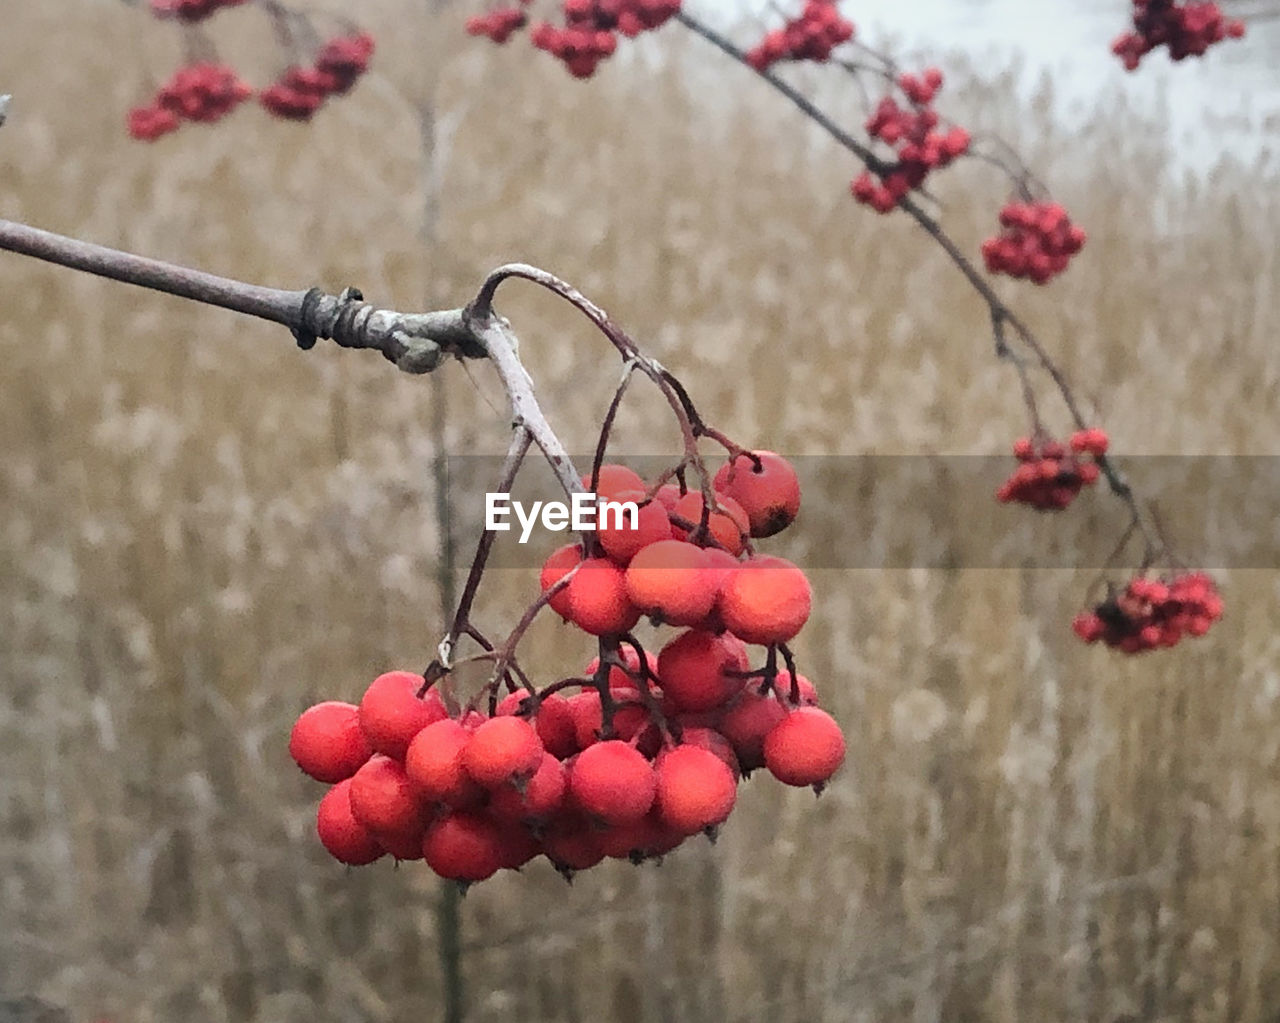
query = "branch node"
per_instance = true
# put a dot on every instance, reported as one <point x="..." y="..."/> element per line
<point x="308" y="332"/>
<point x="413" y="354"/>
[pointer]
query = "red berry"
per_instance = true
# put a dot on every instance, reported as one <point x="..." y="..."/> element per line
<point x="613" y="782"/>
<point x="434" y="765"/>
<point x="327" y="743"/>
<point x="555" y="568"/>
<point x="700" y="670"/>
<point x="464" y="847"/>
<point x="340" y="833"/>
<point x="501" y="749"/>
<point x="614" y="479"/>
<point x="629" y="719"/>
<point x="616" y="535"/>
<point x="391" y="713"/>
<point x="765" y="600"/>
<point x="705" y="735"/>
<point x="696" y="790"/>
<point x="806" y="694"/>
<point x="770" y="494"/>
<point x="672" y="580"/>
<point x="536" y="798"/>
<point x="648" y="837"/>
<point x="598" y="602"/>
<point x="629" y="679"/>
<point x="746" y="724"/>
<point x="805" y="748"/>
<point x="572" y="843"/>
<point x="728" y="527"/>
<point x="382" y="798"/>
<point x="553" y="721"/>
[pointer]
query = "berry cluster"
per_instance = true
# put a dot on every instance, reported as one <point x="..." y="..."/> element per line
<point x="301" y="91"/>
<point x="1150" y="613"/>
<point x="190" y="10"/>
<point x="581" y="48"/>
<point x="682" y="564"/>
<point x="818" y="30"/>
<point x="1037" y="241"/>
<point x="1188" y="30"/>
<point x="590" y="31"/>
<point x="650" y="749"/>
<point x="200" y="92"/>
<point x="499" y="24"/>
<point x="1051" y="474"/>
<point x="912" y="133"/>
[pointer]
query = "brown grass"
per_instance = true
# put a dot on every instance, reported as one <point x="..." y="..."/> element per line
<point x="205" y="529"/>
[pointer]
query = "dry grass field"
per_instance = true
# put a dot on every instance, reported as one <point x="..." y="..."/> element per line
<point x="204" y="529"/>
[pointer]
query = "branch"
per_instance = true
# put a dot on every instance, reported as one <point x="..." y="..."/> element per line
<point x="1001" y="314"/>
<point x="500" y="345"/>
<point x="416" y="343"/>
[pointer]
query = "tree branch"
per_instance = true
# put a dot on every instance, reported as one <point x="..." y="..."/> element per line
<point x="1001" y="314"/>
<point x="416" y="343"/>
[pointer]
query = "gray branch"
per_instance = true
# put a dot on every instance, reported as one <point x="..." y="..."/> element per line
<point x="415" y="342"/>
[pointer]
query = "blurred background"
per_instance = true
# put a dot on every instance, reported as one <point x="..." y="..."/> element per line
<point x="204" y="529"/>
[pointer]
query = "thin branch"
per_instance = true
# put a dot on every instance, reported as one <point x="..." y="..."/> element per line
<point x="1001" y="314"/>
<point x="520" y="441"/>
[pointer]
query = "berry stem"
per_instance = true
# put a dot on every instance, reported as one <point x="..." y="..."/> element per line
<point x="607" y="426"/>
<point x="519" y="447"/>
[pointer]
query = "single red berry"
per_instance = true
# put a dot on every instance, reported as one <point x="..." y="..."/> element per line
<point x="769" y="493"/>
<point x="700" y="670"/>
<point x="464" y="847"/>
<point x="598" y="602"/>
<point x="805" y="748"/>
<point x="765" y="600"/>
<point x="327" y="743"/>
<point x="695" y="789"/>
<point x="346" y="839"/>
<point x="537" y="798"/>
<point x="501" y="749"/>
<point x="561" y="562"/>
<point x="746" y="724"/>
<point x="553" y="721"/>
<point x="617" y="536"/>
<point x="382" y="798"/>
<point x="614" y="479"/>
<point x="572" y="842"/>
<point x="391" y="713"/>
<point x="728" y="527"/>
<point x="613" y="782"/>
<point x="646" y="838"/>
<point x="673" y="580"/>
<point x="434" y="765"/>
<point x="706" y="735"/>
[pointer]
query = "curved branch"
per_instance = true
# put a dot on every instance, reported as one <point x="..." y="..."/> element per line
<point x="1001" y="314"/>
